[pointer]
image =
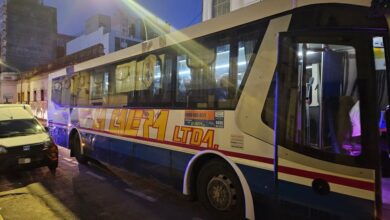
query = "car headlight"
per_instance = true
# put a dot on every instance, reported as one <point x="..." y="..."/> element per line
<point x="47" y="144"/>
<point x="3" y="150"/>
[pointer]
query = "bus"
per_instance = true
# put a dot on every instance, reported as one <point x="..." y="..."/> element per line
<point x="278" y="108"/>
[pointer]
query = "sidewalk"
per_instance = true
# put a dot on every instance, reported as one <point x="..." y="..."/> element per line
<point x="32" y="202"/>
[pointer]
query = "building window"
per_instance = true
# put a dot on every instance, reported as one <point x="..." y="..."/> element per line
<point x="19" y="100"/>
<point x="28" y="97"/>
<point x="35" y="96"/>
<point x="42" y="95"/>
<point x="22" y="100"/>
<point x="220" y="7"/>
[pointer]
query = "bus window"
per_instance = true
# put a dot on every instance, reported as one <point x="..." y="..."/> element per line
<point x="156" y="81"/>
<point x="246" y="47"/>
<point x="122" y="84"/>
<point x="67" y="97"/>
<point x="147" y="81"/>
<point x="211" y="71"/>
<point x="80" y="88"/>
<point x="56" y="90"/>
<point x="166" y="78"/>
<point x="183" y="79"/>
<point x="323" y="111"/>
<point x="99" y="87"/>
<point x="203" y="76"/>
<point x="222" y="69"/>
<point x="201" y="61"/>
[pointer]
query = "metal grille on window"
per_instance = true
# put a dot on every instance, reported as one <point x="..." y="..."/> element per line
<point x="220" y="7"/>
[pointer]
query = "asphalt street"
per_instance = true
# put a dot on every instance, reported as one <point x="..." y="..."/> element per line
<point x="95" y="192"/>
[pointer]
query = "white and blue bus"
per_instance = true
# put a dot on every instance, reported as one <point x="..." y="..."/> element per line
<point x="273" y="106"/>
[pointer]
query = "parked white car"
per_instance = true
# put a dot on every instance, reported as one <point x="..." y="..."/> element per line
<point x="24" y="142"/>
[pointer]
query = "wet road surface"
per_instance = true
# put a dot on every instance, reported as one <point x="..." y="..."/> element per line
<point x="93" y="192"/>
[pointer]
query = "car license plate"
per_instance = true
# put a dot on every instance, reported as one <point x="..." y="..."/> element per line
<point x="24" y="160"/>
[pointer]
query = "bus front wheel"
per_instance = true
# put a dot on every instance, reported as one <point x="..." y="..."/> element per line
<point x="220" y="191"/>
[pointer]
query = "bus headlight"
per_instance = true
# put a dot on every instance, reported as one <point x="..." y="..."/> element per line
<point x="3" y="150"/>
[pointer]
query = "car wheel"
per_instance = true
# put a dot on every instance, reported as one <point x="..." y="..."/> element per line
<point x="53" y="167"/>
<point x="220" y="191"/>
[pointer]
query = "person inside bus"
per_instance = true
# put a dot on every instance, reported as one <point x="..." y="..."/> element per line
<point x="221" y="92"/>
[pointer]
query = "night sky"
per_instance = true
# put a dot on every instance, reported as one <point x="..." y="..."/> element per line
<point x="72" y="14"/>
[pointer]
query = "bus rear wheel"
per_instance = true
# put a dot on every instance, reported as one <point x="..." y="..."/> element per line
<point x="220" y="191"/>
<point x="76" y="147"/>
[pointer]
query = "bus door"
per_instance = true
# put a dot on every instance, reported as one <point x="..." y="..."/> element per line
<point x="327" y="128"/>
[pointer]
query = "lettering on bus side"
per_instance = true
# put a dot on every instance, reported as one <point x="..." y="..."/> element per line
<point x="118" y="121"/>
<point x="139" y="122"/>
<point x="194" y="136"/>
<point x="99" y="119"/>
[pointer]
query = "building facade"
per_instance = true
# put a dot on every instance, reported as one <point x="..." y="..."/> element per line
<point x="117" y="32"/>
<point x="114" y="33"/>
<point x="28" y="33"/>
<point x="214" y="8"/>
<point x="32" y="87"/>
<point x="62" y="40"/>
<point x="28" y="38"/>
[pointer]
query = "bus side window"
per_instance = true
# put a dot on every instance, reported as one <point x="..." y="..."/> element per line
<point x="56" y="88"/>
<point x="183" y="85"/>
<point x="166" y="79"/>
<point x="222" y="72"/>
<point x="99" y="87"/>
<point x="211" y="71"/>
<point x="154" y="80"/>
<point x="81" y="88"/>
<point x="122" y="84"/>
<point x="66" y="91"/>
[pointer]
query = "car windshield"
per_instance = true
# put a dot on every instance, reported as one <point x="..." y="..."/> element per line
<point x="12" y="128"/>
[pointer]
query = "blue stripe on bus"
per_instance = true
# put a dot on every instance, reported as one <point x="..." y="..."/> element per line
<point x="165" y="165"/>
<point x="171" y="165"/>
<point x="260" y="181"/>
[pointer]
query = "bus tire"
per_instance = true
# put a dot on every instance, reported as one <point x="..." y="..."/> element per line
<point x="220" y="191"/>
<point x="77" y="150"/>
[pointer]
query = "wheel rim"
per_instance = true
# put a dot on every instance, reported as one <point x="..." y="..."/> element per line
<point x="221" y="193"/>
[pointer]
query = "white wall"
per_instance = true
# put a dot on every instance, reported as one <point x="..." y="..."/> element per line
<point x="36" y="83"/>
<point x="8" y="89"/>
<point x="97" y="37"/>
<point x="85" y="41"/>
<point x="234" y="5"/>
